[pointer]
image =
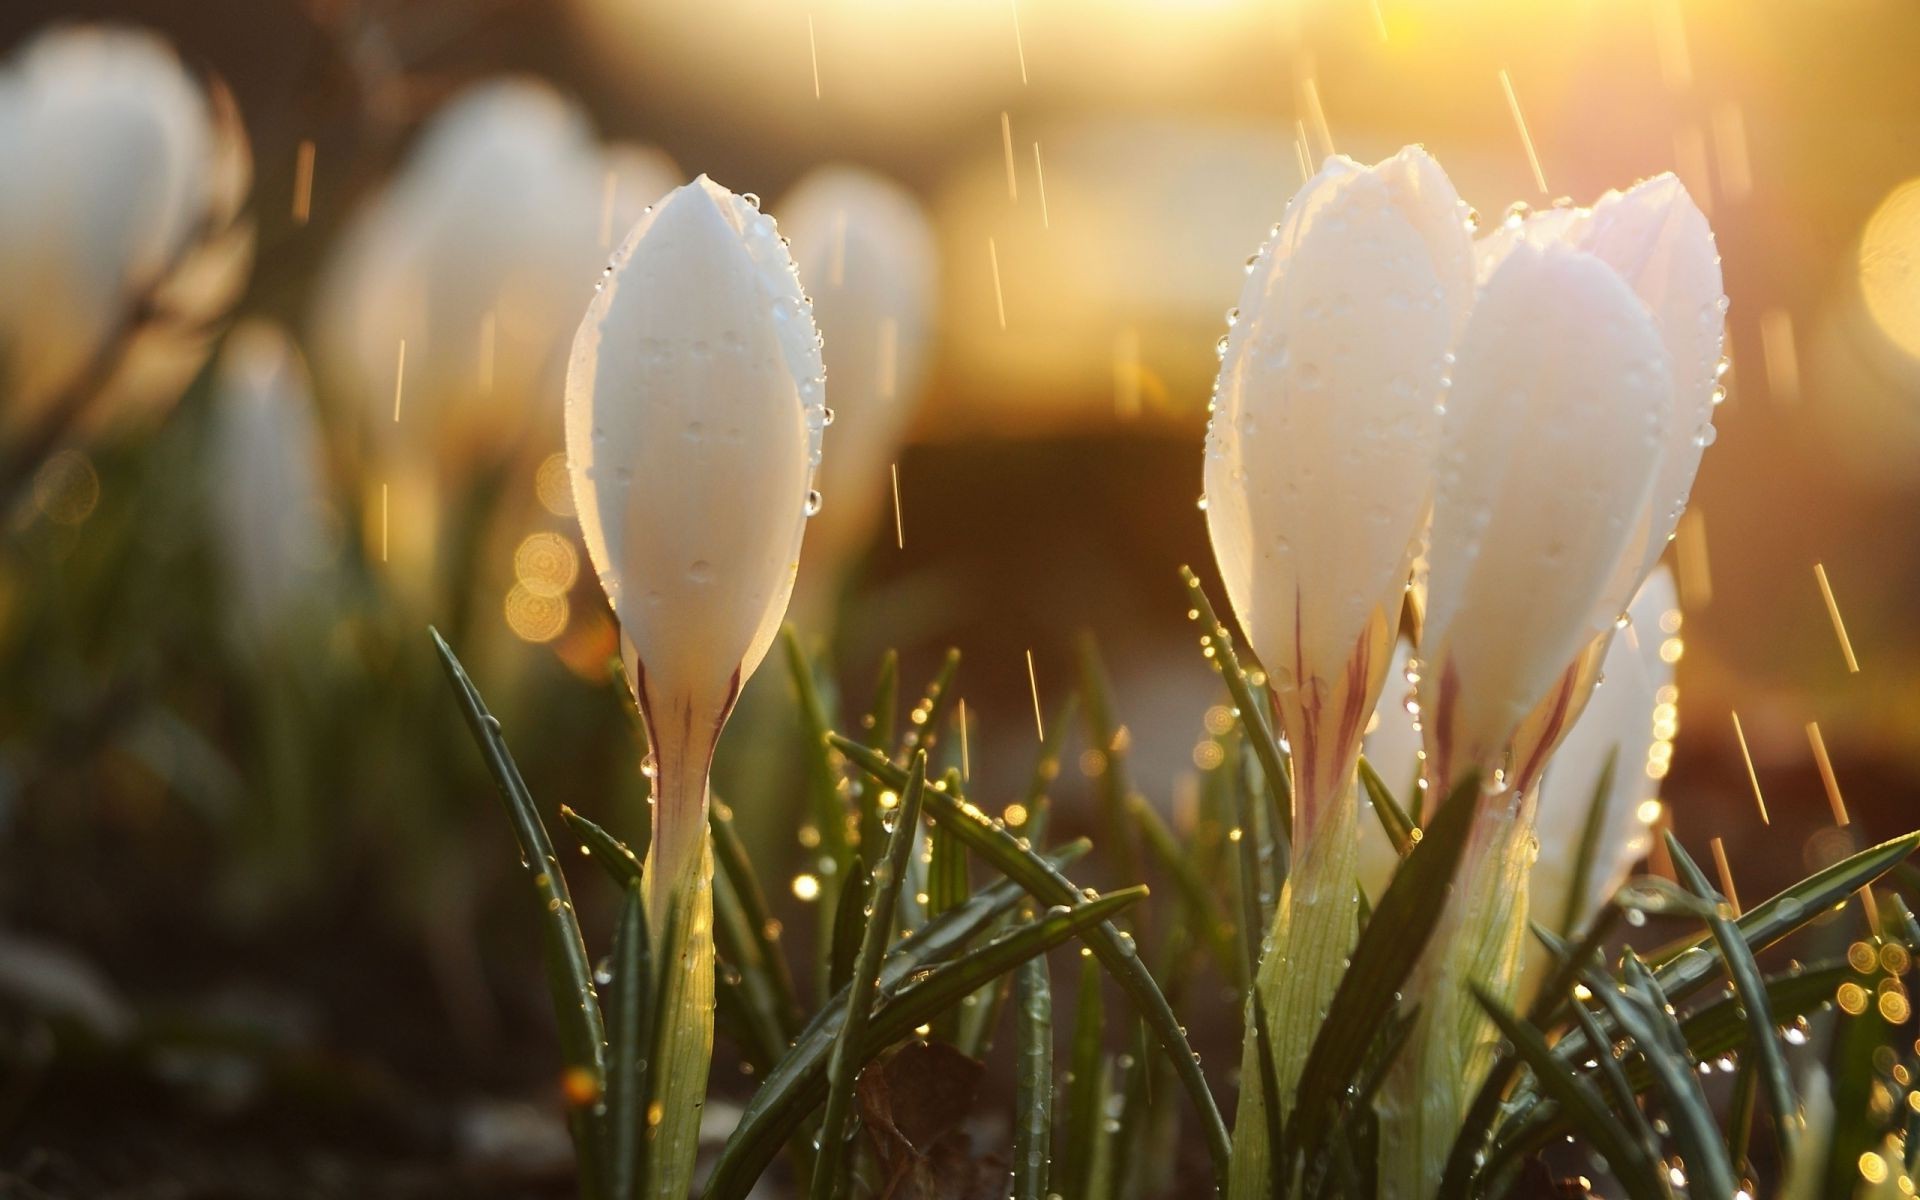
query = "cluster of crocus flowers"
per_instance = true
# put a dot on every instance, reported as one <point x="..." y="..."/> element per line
<point x="695" y="407"/>
<point x="121" y="236"/>
<point x="1535" y="405"/>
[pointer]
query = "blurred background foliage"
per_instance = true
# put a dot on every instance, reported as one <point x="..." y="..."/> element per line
<point x="281" y="839"/>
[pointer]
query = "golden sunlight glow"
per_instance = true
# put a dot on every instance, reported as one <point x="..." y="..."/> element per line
<point x="1890" y="266"/>
<point x="546" y="564"/>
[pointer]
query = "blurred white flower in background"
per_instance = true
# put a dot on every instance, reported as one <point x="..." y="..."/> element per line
<point x="478" y="254"/>
<point x="868" y="260"/>
<point x="120" y="237"/>
<point x="266" y="477"/>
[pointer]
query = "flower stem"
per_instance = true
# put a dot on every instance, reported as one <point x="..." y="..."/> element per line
<point x="678" y="878"/>
<point x="1453" y="1043"/>
<point x="1314" y="928"/>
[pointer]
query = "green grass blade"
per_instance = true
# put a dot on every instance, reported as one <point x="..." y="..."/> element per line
<point x="1033" y="1080"/>
<point x="1085" y="1093"/>
<point x="1115" y="950"/>
<point x="1110" y="738"/>
<point x="1255" y="920"/>
<point x="1277" y="1170"/>
<point x="913" y="990"/>
<point x="1203" y="910"/>
<point x="1764" y="1044"/>
<point x="1614" y="1076"/>
<point x="823" y="780"/>
<point x="776" y="978"/>
<point x="849" y="926"/>
<point x="1640" y="1009"/>
<point x="1598" y="1124"/>
<point x="1216" y="638"/>
<point x="844" y="1065"/>
<point x="1403" y="922"/>
<point x="1684" y="969"/>
<point x="629" y="1046"/>
<point x="1590" y="832"/>
<point x="1393" y="818"/>
<point x="576" y="1006"/>
<point x="930" y="715"/>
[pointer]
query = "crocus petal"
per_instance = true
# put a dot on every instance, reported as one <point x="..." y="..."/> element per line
<point x="1658" y="241"/>
<point x="868" y="259"/>
<point x="1630" y="711"/>
<point x="1318" y="465"/>
<point x="1554" y="431"/>
<point x="695" y="403"/>
<point x="107" y="147"/>
<point x="265" y="475"/>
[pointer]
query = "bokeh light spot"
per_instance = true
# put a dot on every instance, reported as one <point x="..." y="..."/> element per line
<point x="1890" y="266"/>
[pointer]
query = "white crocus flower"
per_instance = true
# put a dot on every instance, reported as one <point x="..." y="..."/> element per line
<point x="868" y="259"/>
<point x="265" y="476"/>
<point x="119" y="238"/>
<point x="695" y="403"/>
<point x="479" y="256"/>
<point x="1555" y="433"/>
<point x="1318" y="479"/>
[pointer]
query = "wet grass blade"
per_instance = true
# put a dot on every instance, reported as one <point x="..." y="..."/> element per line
<point x="1218" y="640"/>
<point x="576" y="1006"/>
<point x="1590" y="832"/>
<point x="912" y="991"/>
<point x="1110" y="738"/>
<point x="1033" y="1080"/>
<point x="1116" y="951"/>
<point x="823" y="781"/>
<point x="1683" y="969"/>
<point x="1393" y="818"/>
<point x="730" y="854"/>
<point x="849" y="925"/>
<point x="1278" y="1170"/>
<point x="843" y="1066"/>
<point x="1640" y="1010"/>
<point x="1597" y="1123"/>
<point x="1254" y="918"/>
<point x="1084" y="1093"/>
<point x="1764" y="1042"/>
<point x="1403" y="922"/>
<point x="1203" y="911"/>
<point x="629" y="1046"/>
<point x="929" y="716"/>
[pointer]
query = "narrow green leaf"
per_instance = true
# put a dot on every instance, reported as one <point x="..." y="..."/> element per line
<point x="1590" y="832"/>
<point x="1203" y="911"/>
<point x="730" y="853"/>
<point x="844" y="1065"/>
<point x="1085" y="1094"/>
<point x="576" y="1007"/>
<point x="1393" y="818"/>
<point x="1115" y="784"/>
<point x="1764" y="1043"/>
<point x="1640" y="1009"/>
<point x="823" y="780"/>
<point x="1115" y="950"/>
<point x="629" y="1046"/>
<point x="881" y="716"/>
<point x="1625" y="1157"/>
<point x="1254" y="919"/>
<point x="930" y="715"/>
<point x="1216" y="637"/>
<point x="1746" y="1092"/>
<point x="913" y="990"/>
<point x="849" y="925"/>
<point x="1033" y="1080"/>
<point x="1403" y="922"/>
<point x="1619" y="1087"/>
<point x="1689" y="966"/>
<point x="1277" y="1170"/>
